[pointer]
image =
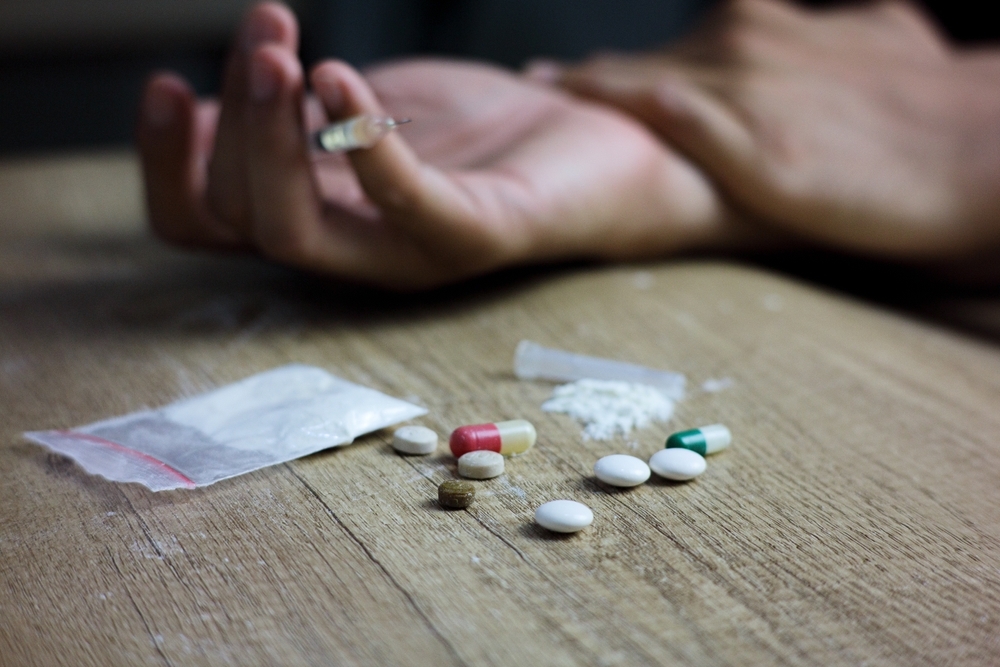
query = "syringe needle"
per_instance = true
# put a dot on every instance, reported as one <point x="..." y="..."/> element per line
<point x="359" y="132"/>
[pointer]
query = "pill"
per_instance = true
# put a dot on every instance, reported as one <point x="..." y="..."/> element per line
<point x="677" y="463"/>
<point x="621" y="470"/>
<point x="564" y="516"/>
<point x="414" y="440"/>
<point x="705" y="440"/>
<point x="480" y="464"/>
<point x="456" y="494"/>
<point x="508" y="438"/>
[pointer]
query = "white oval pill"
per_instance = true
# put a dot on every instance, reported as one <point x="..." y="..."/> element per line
<point x="677" y="463"/>
<point x="564" y="516"/>
<point x="480" y="464"/>
<point x="414" y="440"/>
<point x="621" y="470"/>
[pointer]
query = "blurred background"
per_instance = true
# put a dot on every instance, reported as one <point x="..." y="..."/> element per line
<point x="71" y="70"/>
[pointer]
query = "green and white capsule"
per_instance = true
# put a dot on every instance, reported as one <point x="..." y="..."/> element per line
<point x="705" y="440"/>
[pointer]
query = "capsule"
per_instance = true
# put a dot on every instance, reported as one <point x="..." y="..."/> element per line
<point x="705" y="440"/>
<point x="509" y="438"/>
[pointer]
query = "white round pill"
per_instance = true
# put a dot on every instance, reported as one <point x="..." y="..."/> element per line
<point x="414" y="440"/>
<point x="480" y="464"/>
<point x="621" y="470"/>
<point x="564" y="516"/>
<point x="677" y="463"/>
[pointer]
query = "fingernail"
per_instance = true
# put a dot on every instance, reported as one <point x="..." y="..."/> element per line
<point x="263" y="81"/>
<point x="161" y="108"/>
<point x="543" y="71"/>
<point x="259" y="31"/>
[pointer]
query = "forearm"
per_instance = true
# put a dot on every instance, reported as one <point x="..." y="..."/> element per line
<point x="858" y="129"/>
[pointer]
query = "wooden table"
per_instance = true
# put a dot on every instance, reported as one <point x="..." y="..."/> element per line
<point x="855" y="520"/>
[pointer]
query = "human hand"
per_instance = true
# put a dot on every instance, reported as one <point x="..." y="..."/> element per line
<point x="858" y="128"/>
<point x="494" y="170"/>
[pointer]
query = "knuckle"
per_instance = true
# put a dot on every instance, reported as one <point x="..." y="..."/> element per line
<point x="744" y="30"/>
<point x="742" y="42"/>
<point x="895" y="8"/>
<point x="906" y="16"/>
<point x="745" y="12"/>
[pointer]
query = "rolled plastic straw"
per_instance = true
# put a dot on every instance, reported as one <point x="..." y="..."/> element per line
<point x="534" y="362"/>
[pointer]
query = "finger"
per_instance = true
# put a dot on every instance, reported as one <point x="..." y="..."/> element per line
<point x="612" y="76"/>
<point x="228" y="195"/>
<point x="315" y="114"/>
<point x="291" y="223"/>
<point x="738" y="30"/>
<point x="418" y="200"/>
<point x="171" y="146"/>
<point x="885" y="28"/>
<point x="623" y="76"/>
<point x="285" y="208"/>
<point x="689" y="117"/>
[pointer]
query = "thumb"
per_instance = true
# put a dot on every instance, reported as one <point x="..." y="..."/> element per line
<point x="415" y="198"/>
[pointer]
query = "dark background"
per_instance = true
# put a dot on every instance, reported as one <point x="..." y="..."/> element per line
<point x="71" y="70"/>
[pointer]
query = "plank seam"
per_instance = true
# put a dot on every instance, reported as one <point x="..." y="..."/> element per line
<point x="409" y="597"/>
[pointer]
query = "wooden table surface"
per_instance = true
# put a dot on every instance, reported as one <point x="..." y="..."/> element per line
<point x="855" y="520"/>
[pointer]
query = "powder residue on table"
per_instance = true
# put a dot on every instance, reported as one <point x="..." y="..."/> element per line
<point x="607" y="408"/>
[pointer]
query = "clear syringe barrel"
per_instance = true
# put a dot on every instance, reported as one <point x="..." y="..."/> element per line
<point x="358" y="132"/>
<point x="535" y="362"/>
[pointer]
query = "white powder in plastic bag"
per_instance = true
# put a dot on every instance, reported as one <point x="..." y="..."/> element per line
<point x="268" y="418"/>
<point x="608" y="408"/>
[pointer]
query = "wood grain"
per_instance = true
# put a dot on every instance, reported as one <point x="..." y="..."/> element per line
<point x="855" y="519"/>
<point x="84" y="192"/>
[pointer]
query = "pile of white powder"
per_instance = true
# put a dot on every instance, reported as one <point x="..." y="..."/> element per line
<point x="608" y="408"/>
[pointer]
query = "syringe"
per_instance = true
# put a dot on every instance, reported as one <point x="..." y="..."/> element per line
<point x="359" y="132"/>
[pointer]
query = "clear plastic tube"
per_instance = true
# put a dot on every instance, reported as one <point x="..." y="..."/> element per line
<point x="359" y="132"/>
<point x="535" y="362"/>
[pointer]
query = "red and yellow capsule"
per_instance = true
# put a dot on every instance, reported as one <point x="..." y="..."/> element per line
<point x="509" y="438"/>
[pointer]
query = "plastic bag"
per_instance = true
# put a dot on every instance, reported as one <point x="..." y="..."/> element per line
<point x="268" y="418"/>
